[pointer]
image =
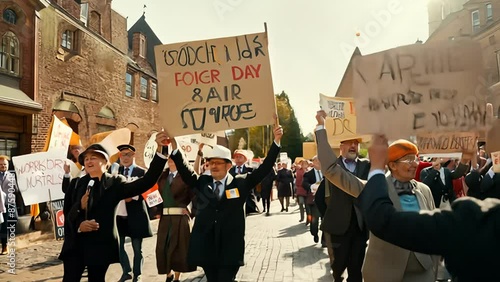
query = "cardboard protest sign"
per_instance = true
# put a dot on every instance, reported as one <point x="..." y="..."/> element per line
<point x="58" y="216"/>
<point x="495" y="157"/>
<point x="493" y="137"/>
<point x="340" y="123"/>
<point x="215" y="84"/>
<point x="38" y="173"/>
<point x="446" y="142"/>
<point x="152" y="196"/>
<point x="420" y="88"/>
<point x="60" y="135"/>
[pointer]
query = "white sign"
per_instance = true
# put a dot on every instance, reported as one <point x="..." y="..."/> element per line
<point x="38" y="173"/>
<point x="60" y="135"/>
<point x="150" y="150"/>
<point x="495" y="157"/>
<point x="154" y="198"/>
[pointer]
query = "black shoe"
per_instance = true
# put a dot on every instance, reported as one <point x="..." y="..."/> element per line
<point x="268" y="214"/>
<point x="282" y="209"/>
<point x="301" y="220"/>
<point x="170" y="278"/>
<point x="286" y="209"/>
<point x="125" y="277"/>
<point x="316" y="239"/>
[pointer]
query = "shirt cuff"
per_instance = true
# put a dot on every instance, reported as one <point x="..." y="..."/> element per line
<point x="161" y="155"/>
<point x="491" y="173"/>
<point x="375" y="172"/>
<point x="175" y="151"/>
<point x="277" y="143"/>
<point x="319" y="127"/>
<point x="67" y="175"/>
<point x="489" y="161"/>
<point x="135" y="198"/>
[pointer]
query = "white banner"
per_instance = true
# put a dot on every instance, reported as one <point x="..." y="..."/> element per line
<point x="38" y="173"/>
<point x="60" y="136"/>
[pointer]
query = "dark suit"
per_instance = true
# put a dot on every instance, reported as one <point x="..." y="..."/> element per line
<point x="98" y="249"/>
<point x="442" y="192"/>
<point x="217" y="239"/>
<point x="251" y="203"/>
<point x="467" y="236"/>
<point x="483" y="186"/>
<point x="310" y="178"/>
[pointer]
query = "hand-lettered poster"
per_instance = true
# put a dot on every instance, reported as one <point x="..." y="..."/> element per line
<point x="421" y="88"/>
<point x="446" y="142"/>
<point x="215" y="84"/>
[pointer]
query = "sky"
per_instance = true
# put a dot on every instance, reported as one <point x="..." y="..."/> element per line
<point x="310" y="42"/>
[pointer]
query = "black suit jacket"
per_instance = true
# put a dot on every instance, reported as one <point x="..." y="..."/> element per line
<point x="431" y="177"/>
<point x="340" y="209"/>
<point x="137" y="211"/>
<point x="467" y="236"/>
<point x="101" y="247"/>
<point x="217" y="238"/>
<point x="482" y="187"/>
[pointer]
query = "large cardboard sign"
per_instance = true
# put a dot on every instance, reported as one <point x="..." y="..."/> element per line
<point x="421" y="88"/>
<point x="38" y="173"/>
<point x="60" y="135"/>
<point x="493" y="137"/>
<point x="446" y="142"/>
<point x="215" y="84"/>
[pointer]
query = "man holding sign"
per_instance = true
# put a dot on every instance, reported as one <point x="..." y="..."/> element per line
<point x="217" y="242"/>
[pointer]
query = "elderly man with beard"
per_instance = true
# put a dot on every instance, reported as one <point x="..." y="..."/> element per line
<point x="384" y="262"/>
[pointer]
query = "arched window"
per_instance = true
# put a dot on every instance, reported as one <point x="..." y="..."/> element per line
<point x="95" y="21"/>
<point x="10" y="16"/>
<point x="9" y="53"/>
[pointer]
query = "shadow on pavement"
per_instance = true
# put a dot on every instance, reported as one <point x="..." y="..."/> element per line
<point x="293" y="230"/>
<point x="307" y="256"/>
<point x="50" y="279"/>
<point x="41" y="265"/>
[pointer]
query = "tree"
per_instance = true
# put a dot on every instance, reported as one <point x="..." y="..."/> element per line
<point x="259" y="138"/>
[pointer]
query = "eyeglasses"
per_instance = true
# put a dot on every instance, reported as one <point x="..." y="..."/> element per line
<point x="127" y="154"/>
<point x="350" y="143"/>
<point x="212" y="163"/>
<point x="409" y="161"/>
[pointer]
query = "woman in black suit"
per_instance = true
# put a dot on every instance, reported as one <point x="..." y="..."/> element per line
<point x="92" y="217"/>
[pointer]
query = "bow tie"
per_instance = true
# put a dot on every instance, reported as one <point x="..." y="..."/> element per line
<point x="349" y="161"/>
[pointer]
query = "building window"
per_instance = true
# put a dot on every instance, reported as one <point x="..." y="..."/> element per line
<point x="9" y="53"/>
<point x="95" y="22"/>
<point x="84" y="13"/>
<point x="10" y="16"/>
<point x="489" y="12"/>
<point x="68" y="39"/>
<point x="476" y="23"/>
<point x="154" y="92"/>
<point x="9" y="146"/>
<point x="144" y="88"/>
<point x="129" y="85"/>
<point x="142" y="47"/>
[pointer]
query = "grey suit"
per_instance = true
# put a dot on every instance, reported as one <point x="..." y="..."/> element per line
<point x="384" y="262"/>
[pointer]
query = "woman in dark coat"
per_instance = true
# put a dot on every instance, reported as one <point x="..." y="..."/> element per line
<point x="266" y="190"/>
<point x="284" y="179"/>
<point x="174" y="229"/>
<point x="92" y="217"/>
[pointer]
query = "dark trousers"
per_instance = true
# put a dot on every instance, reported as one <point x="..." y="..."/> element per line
<point x="315" y="215"/>
<point x="220" y="273"/>
<point x="266" y="202"/>
<point x="349" y="252"/>
<point x="74" y="267"/>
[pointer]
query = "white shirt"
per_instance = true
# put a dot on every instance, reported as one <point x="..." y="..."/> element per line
<point x="222" y="187"/>
<point x="441" y="175"/>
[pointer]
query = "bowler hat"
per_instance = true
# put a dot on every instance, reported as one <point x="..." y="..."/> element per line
<point x="218" y="152"/>
<point x="97" y="148"/>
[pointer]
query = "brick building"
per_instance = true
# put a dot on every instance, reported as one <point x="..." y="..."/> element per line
<point x="478" y="20"/>
<point x="19" y="25"/>
<point x="87" y="75"/>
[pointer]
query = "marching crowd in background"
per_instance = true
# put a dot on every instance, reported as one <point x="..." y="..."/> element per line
<point x="408" y="207"/>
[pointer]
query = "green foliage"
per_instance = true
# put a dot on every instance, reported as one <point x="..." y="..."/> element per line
<point x="261" y="137"/>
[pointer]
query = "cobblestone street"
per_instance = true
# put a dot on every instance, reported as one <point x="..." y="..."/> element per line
<point x="278" y="248"/>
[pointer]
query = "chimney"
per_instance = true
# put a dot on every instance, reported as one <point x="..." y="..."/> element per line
<point x="138" y="45"/>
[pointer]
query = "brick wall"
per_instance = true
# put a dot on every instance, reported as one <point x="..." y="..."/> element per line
<point x="119" y="31"/>
<point x="92" y="79"/>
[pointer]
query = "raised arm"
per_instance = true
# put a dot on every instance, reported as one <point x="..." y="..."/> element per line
<point x="338" y="176"/>
<point x="185" y="170"/>
<point x="141" y="185"/>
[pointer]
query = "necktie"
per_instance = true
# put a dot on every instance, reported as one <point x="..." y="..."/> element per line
<point x="239" y="170"/>
<point x="126" y="172"/>
<point x="405" y="188"/>
<point x="217" y="189"/>
<point x="170" y="178"/>
<point x="2" y="174"/>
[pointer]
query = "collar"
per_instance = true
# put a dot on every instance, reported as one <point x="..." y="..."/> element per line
<point x="174" y="173"/>
<point x="223" y="180"/>
<point x="130" y="168"/>
<point x="349" y="161"/>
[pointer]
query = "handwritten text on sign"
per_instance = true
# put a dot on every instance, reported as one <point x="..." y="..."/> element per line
<point x="430" y="87"/>
<point x="493" y="137"/>
<point x="215" y="84"/>
<point x="341" y="118"/>
<point x="446" y="142"/>
<point x="154" y="198"/>
<point x="495" y="157"/>
<point x="60" y="136"/>
<point x="39" y="172"/>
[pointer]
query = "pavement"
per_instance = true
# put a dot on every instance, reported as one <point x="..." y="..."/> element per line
<point x="278" y="248"/>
